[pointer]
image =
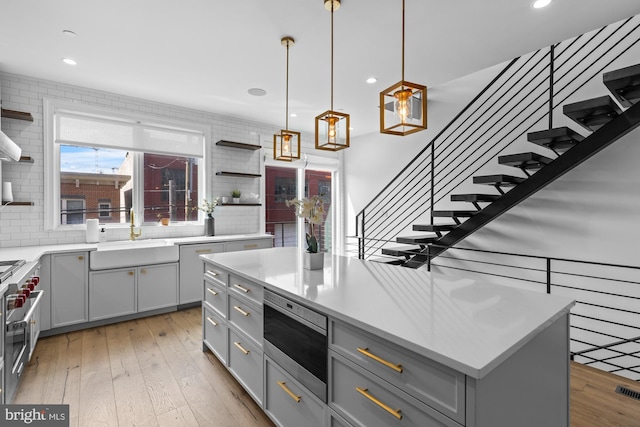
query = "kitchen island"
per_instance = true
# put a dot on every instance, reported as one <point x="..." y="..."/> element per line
<point x="475" y="354"/>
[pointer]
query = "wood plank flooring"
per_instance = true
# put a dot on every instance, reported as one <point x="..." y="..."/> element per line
<point x="153" y="372"/>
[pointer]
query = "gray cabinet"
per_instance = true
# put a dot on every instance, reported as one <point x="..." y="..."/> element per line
<point x="246" y="245"/>
<point x="245" y="363"/>
<point x="191" y="269"/>
<point x="157" y="286"/>
<point x="112" y="293"/>
<point x="214" y="333"/>
<point x="69" y="288"/>
<point x="287" y="402"/>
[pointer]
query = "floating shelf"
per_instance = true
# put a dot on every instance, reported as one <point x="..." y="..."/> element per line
<point x="241" y="145"/>
<point x="25" y="159"/>
<point x="241" y="204"/>
<point x="18" y="115"/>
<point x="17" y="203"/>
<point x="239" y="174"/>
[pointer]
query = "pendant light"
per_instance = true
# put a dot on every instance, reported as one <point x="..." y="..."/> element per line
<point x="286" y="144"/>
<point x="332" y="127"/>
<point x="403" y="106"/>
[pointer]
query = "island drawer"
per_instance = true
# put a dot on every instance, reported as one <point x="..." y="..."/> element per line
<point x="246" y="245"/>
<point x="216" y="296"/>
<point x="287" y="401"/>
<point x="370" y="401"/>
<point x="247" y="318"/>
<point x="214" y="333"/>
<point x="246" y="288"/>
<point x="216" y="274"/>
<point x="245" y="363"/>
<point x="432" y="383"/>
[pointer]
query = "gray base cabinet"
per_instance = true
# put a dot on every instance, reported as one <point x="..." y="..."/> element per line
<point x="69" y="288"/>
<point x="191" y="269"/>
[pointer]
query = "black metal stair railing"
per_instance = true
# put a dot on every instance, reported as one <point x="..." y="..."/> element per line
<point x="521" y="98"/>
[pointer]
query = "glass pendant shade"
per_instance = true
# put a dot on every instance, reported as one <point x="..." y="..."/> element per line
<point x="403" y="108"/>
<point x="286" y="145"/>
<point x="332" y="131"/>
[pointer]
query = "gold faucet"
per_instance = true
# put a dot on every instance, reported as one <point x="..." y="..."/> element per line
<point x="132" y="233"/>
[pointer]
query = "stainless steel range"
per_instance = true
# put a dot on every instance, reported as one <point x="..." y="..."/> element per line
<point x="20" y="303"/>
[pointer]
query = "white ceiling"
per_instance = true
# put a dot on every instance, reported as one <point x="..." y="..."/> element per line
<point x="206" y="54"/>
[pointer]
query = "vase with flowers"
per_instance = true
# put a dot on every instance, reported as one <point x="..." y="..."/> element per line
<point x="312" y="211"/>
<point x="208" y="207"/>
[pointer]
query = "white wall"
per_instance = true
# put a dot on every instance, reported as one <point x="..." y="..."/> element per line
<point x="23" y="225"/>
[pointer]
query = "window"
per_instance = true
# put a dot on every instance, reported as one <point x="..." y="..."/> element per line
<point x="115" y="163"/>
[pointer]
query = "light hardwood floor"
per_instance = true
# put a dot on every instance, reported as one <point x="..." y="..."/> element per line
<point x="153" y="372"/>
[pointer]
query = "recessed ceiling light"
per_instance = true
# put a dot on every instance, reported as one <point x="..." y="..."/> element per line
<point x="69" y="33"/>
<point x="256" y="91"/>
<point x="69" y="61"/>
<point x="371" y="80"/>
<point x="293" y="115"/>
<point x="539" y="4"/>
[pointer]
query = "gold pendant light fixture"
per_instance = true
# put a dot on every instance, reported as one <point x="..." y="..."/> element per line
<point x="286" y="144"/>
<point x="332" y="127"/>
<point x="403" y="106"/>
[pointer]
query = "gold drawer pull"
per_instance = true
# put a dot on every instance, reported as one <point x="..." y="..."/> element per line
<point x="213" y="273"/>
<point x="242" y="288"/>
<point x="80" y="258"/>
<point x="130" y="273"/>
<point x="213" y="322"/>
<point x="203" y="251"/>
<point x="212" y="292"/>
<point x="251" y="246"/>
<point x="365" y="392"/>
<point x="289" y="392"/>
<point x="366" y="352"/>
<point x="242" y="349"/>
<point x="241" y="311"/>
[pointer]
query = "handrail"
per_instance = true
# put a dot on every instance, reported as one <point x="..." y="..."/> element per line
<point x="518" y="98"/>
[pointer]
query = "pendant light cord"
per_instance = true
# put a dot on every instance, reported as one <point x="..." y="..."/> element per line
<point x="332" y="55"/>
<point x="286" y="126"/>
<point x="403" y="40"/>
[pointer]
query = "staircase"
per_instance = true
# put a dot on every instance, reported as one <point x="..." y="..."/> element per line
<point x="602" y="116"/>
<point x="605" y="118"/>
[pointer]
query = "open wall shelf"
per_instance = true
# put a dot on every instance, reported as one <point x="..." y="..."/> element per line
<point x="240" y="145"/>
<point x="241" y="204"/>
<point x="239" y="174"/>
<point x="18" y="115"/>
<point x="17" y="203"/>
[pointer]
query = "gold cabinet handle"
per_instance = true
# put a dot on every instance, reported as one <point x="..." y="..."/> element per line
<point x="283" y="385"/>
<point x="251" y="246"/>
<point x="212" y="292"/>
<point x="242" y="349"/>
<point x="366" y="352"/>
<point x="242" y="288"/>
<point x="241" y="311"/>
<point x="203" y="251"/>
<point x="213" y="322"/>
<point x="365" y="392"/>
<point x="80" y="258"/>
<point x="213" y="273"/>
<point x="143" y="271"/>
<point x="130" y="273"/>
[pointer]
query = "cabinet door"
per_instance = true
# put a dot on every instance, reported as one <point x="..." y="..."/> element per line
<point x="214" y="333"/>
<point x="69" y="288"/>
<point x="112" y="293"/>
<point x="34" y="329"/>
<point x="191" y="269"/>
<point x="157" y="286"/>
<point x="245" y="363"/>
<point x="245" y="245"/>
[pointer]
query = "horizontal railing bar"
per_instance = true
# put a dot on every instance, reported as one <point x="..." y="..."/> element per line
<point x="491" y="274"/>
<point x="610" y="322"/>
<point x="593" y="291"/>
<point x="610" y="308"/>
<point x="613" y="344"/>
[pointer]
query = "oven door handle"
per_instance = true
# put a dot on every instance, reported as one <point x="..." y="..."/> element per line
<point x="22" y="324"/>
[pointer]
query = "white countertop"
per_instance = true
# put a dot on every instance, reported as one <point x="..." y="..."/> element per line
<point x="33" y="253"/>
<point x="467" y="325"/>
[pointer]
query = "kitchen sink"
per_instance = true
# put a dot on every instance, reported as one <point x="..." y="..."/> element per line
<point x="133" y="253"/>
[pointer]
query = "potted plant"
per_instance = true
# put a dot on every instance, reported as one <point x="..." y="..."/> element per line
<point x="209" y="207"/>
<point x="235" y="194"/>
<point x="312" y="211"/>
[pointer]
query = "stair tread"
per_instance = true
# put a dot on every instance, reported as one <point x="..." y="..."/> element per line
<point x="474" y="197"/>
<point x="400" y="250"/>
<point x="593" y="113"/>
<point x="501" y="180"/>
<point x="558" y="139"/>
<point x="453" y="213"/>
<point x="624" y="84"/>
<point x="416" y="239"/>
<point x="528" y="160"/>
<point x="433" y="227"/>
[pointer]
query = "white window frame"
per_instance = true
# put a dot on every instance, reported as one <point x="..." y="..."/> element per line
<point x="52" y="159"/>
<point x="100" y="209"/>
<point x="64" y="202"/>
